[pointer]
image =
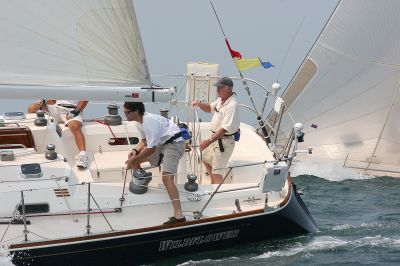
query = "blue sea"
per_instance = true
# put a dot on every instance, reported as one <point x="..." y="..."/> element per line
<point x="358" y="221"/>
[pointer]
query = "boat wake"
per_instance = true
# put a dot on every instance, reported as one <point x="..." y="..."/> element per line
<point x="324" y="243"/>
<point x="330" y="172"/>
<point x="345" y="227"/>
<point x="205" y="261"/>
<point x="5" y="257"/>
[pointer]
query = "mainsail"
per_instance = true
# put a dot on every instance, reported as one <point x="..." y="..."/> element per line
<point x="347" y="90"/>
<point x="75" y="48"/>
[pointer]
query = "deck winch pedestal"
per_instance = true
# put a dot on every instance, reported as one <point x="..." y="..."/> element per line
<point x="113" y="118"/>
<point x="191" y="184"/>
<point x="40" y="120"/>
<point x="140" y="180"/>
<point x="51" y="153"/>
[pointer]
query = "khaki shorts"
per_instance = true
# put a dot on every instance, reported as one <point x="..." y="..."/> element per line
<point x="173" y="152"/>
<point x="59" y="113"/>
<point x="217" y="159"/>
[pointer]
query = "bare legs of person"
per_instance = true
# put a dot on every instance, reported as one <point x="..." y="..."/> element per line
<point x="215" y="178"/>
<point x="76" y="130"/>
<point x="168" y="180"/>
<point x="32" y="108"/>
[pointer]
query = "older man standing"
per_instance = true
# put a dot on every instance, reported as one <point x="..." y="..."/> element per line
<point x="224" y="124"/>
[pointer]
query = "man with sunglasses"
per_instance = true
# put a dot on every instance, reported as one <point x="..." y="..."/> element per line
<point x="225" y="124"/>
<point x="160" y="138"/>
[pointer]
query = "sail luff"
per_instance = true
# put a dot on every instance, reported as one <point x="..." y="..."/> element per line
<point x="307" y="55"/>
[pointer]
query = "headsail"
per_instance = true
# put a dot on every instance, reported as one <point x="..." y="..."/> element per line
<point x="69" y="42"/>
<point x="349" y="86"/>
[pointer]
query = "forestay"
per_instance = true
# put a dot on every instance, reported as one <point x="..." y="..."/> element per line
<point x="349" y="86"/>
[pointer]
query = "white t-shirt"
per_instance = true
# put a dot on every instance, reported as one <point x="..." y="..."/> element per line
<point x="156" y="129"/>
<point x="73" y="102"/>
<point x="225" y="115"/>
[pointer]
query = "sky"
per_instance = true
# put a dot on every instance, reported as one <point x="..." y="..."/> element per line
<point x="175" y="32"/>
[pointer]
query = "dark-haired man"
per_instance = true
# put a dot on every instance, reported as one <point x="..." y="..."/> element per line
<point x="159" y="135"/>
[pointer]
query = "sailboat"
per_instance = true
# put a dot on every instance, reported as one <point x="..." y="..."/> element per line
<point x="54" y="213"/>
<point x="346" y="92"/>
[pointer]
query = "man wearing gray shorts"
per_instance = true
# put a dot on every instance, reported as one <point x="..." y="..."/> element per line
<point x="160" y="139"/>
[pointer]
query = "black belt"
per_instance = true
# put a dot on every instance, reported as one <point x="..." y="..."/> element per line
<point x="220" y="144"/>
<point x="174" y="137"/>
<point x="67" y="105"/>
<point x="228" y="135"/>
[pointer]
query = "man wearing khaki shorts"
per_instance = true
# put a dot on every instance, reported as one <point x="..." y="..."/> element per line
<point x="159" y="135"/>
<point x="224" y="124"/>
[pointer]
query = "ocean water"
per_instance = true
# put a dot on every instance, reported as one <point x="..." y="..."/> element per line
<point x="358" y="220"/>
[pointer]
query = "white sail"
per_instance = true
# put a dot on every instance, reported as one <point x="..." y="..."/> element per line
<point x="348" y="86"/>
<point x="69" y="42"/>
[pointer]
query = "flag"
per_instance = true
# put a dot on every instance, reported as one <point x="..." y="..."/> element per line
<point x="234" y="54"/>
<point x="247" y="63"/>
<point x="266" y="64"/>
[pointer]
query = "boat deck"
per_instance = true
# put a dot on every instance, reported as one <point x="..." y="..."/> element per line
<point x="60" y="195"/>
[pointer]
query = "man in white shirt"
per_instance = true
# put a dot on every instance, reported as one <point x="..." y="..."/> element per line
<point x="224" y="124"/>
<point x="68" y="112"/>
<point x="159" y="137"/>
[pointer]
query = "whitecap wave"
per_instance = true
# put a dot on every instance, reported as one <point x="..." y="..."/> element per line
<point x="194" y="262"/>
<point x="330" y="243"/>
<point x="328" y="171"/>
<point x="343" y="227"/>
<point x="5" y="257"/>
<point x="377" y="241"/>
<point x="319" y="243"/>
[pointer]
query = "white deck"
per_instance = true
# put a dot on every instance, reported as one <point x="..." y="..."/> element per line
<point x="67" y="216"/>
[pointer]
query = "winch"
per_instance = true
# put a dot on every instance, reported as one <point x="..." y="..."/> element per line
<point x="140" y="180"/>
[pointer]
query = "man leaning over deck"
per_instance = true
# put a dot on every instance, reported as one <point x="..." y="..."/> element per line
<point x="68" y="112"/>
<point x="224" y="124"/>
<point x="159" y="137"/>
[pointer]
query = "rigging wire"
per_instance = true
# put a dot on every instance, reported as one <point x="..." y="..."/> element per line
<point x="244" y="82"/>
<point x="287" y="51"/>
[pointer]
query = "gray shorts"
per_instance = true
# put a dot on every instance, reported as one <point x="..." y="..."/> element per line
<point x="172" y="152"/>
